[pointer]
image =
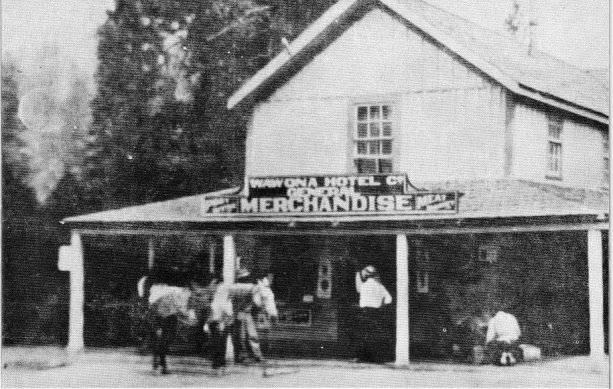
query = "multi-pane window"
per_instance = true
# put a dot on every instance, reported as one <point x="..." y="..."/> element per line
<point x="554" y="145"/>
<point x="373" y="139"/>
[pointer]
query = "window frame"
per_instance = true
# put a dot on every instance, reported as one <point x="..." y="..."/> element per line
<point x="606" y="175"/>
<point x="369" y="139"/>
<point x="555" y="122"/>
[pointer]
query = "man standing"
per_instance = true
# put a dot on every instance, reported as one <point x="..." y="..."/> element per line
<point x="218" y="326"/>
<point x="373" y="296"/>
<point x="244" y="335"/>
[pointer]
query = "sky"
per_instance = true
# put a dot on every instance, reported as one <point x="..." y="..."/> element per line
<point x="576" y="31"/>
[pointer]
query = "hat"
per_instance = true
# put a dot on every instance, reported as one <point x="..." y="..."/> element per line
<point x="242" y="273"/>
<point x="369" y="271"/>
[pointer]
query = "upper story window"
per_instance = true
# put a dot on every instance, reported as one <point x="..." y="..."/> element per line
<point x="554" y="146"/>
<point x="372" y="139"/>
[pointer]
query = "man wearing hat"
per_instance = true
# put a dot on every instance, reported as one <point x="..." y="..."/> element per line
<point x="373" y="296"/>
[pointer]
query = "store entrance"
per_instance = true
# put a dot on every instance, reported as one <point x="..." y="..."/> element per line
<point x="380" y="252"/>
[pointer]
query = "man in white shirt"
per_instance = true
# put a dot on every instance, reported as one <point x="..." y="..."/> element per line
<point x="503" y="328"/>
<point x="373" y="296"/>
<point x="502" y="339"/>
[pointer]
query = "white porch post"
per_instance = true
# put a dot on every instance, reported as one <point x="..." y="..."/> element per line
<point x="595" y="284"/>
<point x="229" y="257"/>
<point x="212" y="256"/>
<point x="77" y="296"/>
<point x="402" y="301"/>
<point x="150" y="254"/>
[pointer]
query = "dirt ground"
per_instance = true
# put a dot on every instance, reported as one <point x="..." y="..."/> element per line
<point x="50" y="367"/>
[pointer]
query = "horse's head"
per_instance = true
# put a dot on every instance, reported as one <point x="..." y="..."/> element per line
<point x="264" y="297"/>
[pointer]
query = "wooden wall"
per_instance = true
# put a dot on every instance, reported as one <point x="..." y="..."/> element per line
<point x="582" y="148"/>
<point x="451" y="117"/>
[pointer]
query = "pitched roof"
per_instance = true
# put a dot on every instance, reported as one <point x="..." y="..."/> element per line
<point x="482" y="199"/>
<point x="175" y="210"/>
<point x="538" y="76"/>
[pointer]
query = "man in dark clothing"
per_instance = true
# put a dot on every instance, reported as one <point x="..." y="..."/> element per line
<point x="373" y="296"/>
<point x="164" y="332"/>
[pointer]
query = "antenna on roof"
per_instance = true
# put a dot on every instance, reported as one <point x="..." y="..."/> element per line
<point x="521" y="23"/>
<point x="531" y="27"/>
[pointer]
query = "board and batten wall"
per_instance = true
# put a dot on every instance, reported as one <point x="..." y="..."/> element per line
<point x="451" y="118"/>
<point x="583" y="149"/>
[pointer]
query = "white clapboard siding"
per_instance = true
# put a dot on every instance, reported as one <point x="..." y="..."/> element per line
<point x="582" y="149"/>
<point x="453" y="135"/>
<point x="452" y="118"/>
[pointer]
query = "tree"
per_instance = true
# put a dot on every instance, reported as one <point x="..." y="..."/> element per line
<point x="23" y="223"/>
<point x="18" y="202"/>
<point x="155" y="126"/>
<point x="54" y="107"/>
<point x="166" y="69"/>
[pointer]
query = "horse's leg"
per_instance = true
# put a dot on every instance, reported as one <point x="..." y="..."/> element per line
<point x="253" y="338"/>
<point x="169" y="329"/>
<point x="156" y="340"/>
<point x="235" y="334"/>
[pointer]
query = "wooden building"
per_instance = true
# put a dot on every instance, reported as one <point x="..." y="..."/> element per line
<point x="491" y="168"/>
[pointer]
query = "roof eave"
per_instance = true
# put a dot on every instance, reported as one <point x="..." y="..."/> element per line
<point x="98" y="217"/>
<point x="284" y="59"/>
<point x="534" y="94"/>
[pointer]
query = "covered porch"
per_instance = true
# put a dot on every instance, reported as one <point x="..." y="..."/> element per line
<point x="492" y="214"/>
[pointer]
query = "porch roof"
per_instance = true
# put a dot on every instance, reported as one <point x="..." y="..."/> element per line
<point x="481" y="200"/>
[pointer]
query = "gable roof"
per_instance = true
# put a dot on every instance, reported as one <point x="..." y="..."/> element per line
<point x="482" y="199"/>
<point x="538" y="76"/>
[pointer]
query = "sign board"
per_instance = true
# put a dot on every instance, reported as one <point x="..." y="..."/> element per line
<point x="295" y="316"/>
<point x="325" y="195"/>
<point x="318" y="186"/>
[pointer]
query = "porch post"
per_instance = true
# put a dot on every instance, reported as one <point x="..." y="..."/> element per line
<point x="595" y="284"/>
<point x="150" y="254"/>
<point x="77" y="297"/>
<point x="229" y="255"/>
<point x="402" y="301"/>
<point x="212" y="256"/>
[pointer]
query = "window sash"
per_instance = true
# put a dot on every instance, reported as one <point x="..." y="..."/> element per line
<point x="554" y="165"/>
<point x="372" y="138"/>
<point x="555" y="126"/>
<point x="373" y="165"/>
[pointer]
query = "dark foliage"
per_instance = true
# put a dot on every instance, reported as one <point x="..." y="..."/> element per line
<point x="160" y="130"/>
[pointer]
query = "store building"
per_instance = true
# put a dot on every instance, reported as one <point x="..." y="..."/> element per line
<point x="470" y="172"/>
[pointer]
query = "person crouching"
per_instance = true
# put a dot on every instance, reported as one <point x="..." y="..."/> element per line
<point x="502" y="339"/>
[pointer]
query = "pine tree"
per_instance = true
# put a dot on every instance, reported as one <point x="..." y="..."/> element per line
<point x="166" y="69"/>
